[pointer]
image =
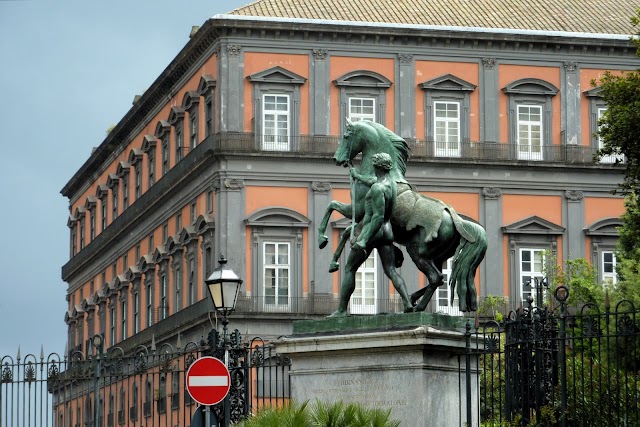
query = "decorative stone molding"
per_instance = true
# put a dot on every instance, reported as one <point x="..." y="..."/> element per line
<point x="489" y="63"/>
<point x="405" y="58"/>
<point x="320" y="54"/>
<point x="570" y="66"/>
<point x="234" y="49"/>
<point x="491" y="192"/>
<point x="574" y="195"/>
<point x="321" y="186"/>
<point x="233" y="184"/>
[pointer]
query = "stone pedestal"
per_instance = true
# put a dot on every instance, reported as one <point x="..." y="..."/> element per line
<point x="413" y="364"/>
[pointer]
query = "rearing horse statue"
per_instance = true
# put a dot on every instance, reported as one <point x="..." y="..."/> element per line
<point x="431" y="230"/>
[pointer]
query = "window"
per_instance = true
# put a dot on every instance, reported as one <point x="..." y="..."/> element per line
<point x="530" y="109"/>
<point x="275" y="122"/>
<point x="192" y="284"/>
<point x="276" y="274"/>
<point x="123" y="307"/>
<point x="149" y="303"/>
<point x="73" y="238"/>
<point x="165" y="154"/>
<point x="529" y="132"/>
<point x="151" y="165"/>
<point x="92" y="224"/>
<point x="447" y="128"/>
<point x="125" y="191"/>
<point x="138" y="178"/>
<point x="103" y="205"/>
<point x="137" y="252"/>
<point x="114" y="203"/>
<point x="610" y="158"/>
<point x="609" y="276"/>
<point x="175" y="391"/>
<point x="364" y="298"/>
<point x="193" y="212"/>
<point x="136" y="313"/>
<point x="177" y="284"/>
<point x="165" y="232"/>
<point x="112" y="314"/>
<point x="531" y="266"/>
<point x="276" y="108"/>
<point x="148" y="399"/>
<point x="179" y="142"/>
<point x="210" y="201"/>
<point x="362" y="109"/>
<point x="208" y="117"/>
<point x="193" y="127"/>
<point x="163" y="309"/>
<point x="206" y="88"/>
<point x="150" y="244"/>
<point x="81" y="232"/>
<point x="178" y="223"/>
<point x="125" y="261"/>
<point x="443" y="294"/>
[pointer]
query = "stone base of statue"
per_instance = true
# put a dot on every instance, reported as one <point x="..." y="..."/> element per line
<point x="412" y="363"/>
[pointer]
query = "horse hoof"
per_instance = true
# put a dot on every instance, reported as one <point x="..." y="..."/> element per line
<point x="322" y="241"/>
<point x="409" y="310"/>
<point x="333" y="267"/>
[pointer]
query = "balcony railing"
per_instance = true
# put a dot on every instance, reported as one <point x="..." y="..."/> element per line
<point x="312" y="305"/>
<point x="421" y="150"/>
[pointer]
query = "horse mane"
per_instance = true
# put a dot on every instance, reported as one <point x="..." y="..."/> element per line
<point x="401" y="152"/>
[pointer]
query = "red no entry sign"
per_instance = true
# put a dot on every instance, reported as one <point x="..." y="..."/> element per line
<point x="208" y="380"/>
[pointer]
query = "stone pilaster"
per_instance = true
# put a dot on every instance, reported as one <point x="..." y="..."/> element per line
<point x="491" y="270"/>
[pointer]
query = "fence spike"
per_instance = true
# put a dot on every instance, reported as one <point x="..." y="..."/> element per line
<point x="42" y="353"/>
<point x="18" y="352"/>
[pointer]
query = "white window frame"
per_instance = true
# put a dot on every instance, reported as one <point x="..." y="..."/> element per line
<point x="355" y="116"/>
<point x="608" y="278"/>
<point x="136" y="313"/>
<point x="362" y="302"/>
<point x="149" y="295"/>
<point x="449" y="146"/>
<point x="164" y="309"/>
<point x="609" y="158"/>
<point x="526" y="276"/>
<point x="123" y="332"/>
<point x="112" y="338"/>
<point x="525" y="150"/>
<point x="443" y="293"/>
<point x="271" y="140"/>
<point x="276" y="305"/>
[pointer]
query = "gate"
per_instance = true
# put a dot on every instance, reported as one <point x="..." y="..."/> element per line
<point x="558" y="365"/>
<point x="145" y="388"/>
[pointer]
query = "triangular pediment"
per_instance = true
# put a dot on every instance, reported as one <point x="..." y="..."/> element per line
<point x="595" y="92"/>
<point x="448" y="82"/>
<point x="533" y="225"/>
<point x="604" y="227"/>
<point x="277" y="217"/>
<point x="277" y="75"/>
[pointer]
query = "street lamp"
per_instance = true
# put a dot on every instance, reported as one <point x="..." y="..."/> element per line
<point x="224" y="285"/>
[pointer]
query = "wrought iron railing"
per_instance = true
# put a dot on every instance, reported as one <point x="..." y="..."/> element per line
<point x="246" y="142"/>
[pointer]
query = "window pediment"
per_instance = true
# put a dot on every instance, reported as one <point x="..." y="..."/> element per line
<point x="80" y="212"/>
<point x="595" y="92"/>
<point x="160" y="254"/>
<point x="187" y="235"/>
<point x="133" y="273"/>
<point x="206" y="83"/>
<point x="531" y="86"/>
<point x="173" y="244"/>
<point x="71" y="222"/>
<point x="277" y="217"/>
<point x="277" y="75"/>
<point x="102" y="191"/>
<point x="145" y="263"/>
<point x="123" y="168"/>
<point x="99" y="297"/>
<point x="113" y="180"/>
<point x="148" y="143"/>
<point x="341" y="223"/>
<point x="135" y="155"/>
<point x="88" y="304"/>
<point x="604" y="227"/>
<point x="190" y="99"/>
<point x="363" y="78"/>
<point x="203" y="223"/>
<point x="177" y="113"/>
<point x="90" y="202"/>
<point x="448" y="82"/>
<point x="162" y="127"/>
<point x="533" y="225"/>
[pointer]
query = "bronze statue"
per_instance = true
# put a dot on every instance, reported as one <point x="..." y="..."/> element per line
<point x="430" y="230"/>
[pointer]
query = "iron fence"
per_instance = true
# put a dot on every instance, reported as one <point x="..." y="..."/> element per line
<point x="559" y="366"/>
<point x="145" y="388"/>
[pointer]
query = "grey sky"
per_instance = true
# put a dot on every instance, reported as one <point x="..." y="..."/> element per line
<point x="68" y="70"/>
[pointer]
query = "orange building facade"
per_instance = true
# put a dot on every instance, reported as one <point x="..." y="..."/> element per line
<point x="229" y="152"/>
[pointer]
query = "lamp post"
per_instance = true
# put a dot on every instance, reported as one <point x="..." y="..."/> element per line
<point x="224" y="285"/>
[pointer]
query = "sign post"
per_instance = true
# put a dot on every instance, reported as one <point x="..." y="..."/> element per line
<point x="208" y="382"/>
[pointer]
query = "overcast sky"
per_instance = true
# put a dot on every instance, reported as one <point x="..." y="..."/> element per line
<point x="68" y="70"/>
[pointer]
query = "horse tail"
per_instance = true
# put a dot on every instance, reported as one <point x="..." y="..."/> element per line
<point x="463" y="272"/>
